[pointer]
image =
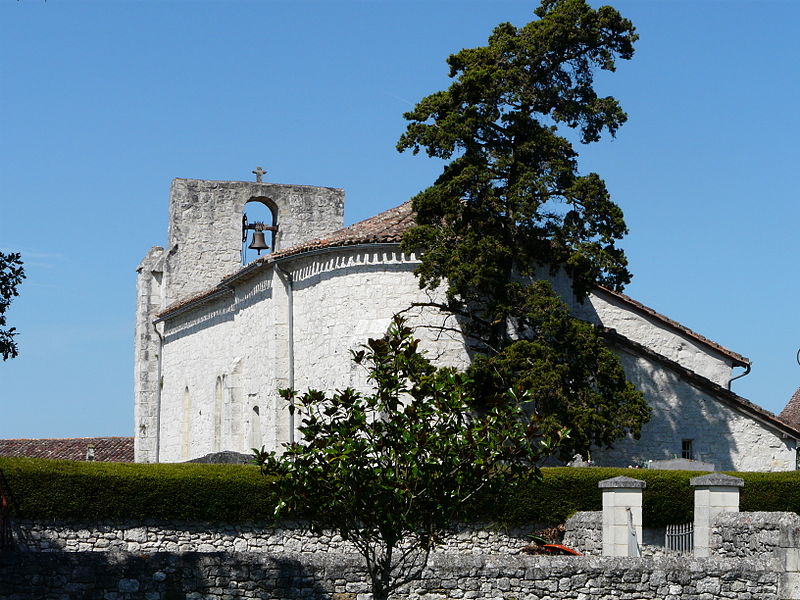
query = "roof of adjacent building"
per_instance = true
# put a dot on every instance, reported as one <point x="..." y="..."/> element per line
<point x="388" y="227"/>
<point x="106" y="449"/>
<point x="791" y="412"/>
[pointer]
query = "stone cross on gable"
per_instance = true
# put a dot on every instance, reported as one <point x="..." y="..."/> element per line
<point x="258" y="173"/>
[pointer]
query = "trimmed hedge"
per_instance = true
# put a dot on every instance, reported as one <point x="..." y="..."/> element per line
<point x="55" y="489"/>
<point x="62" y="489"/>
<point x="668" y="497"/>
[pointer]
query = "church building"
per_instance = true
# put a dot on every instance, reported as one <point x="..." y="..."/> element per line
<point x="216" y="339"/>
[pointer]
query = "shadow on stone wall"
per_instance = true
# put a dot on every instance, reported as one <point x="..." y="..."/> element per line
<point x="681" y="411"/>
<point x="167" y="576"/>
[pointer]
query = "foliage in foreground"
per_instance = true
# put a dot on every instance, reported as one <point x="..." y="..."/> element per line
<point x="510" y="210"/>
<point x="11" y="276"/>
<point x="392" y="470"/>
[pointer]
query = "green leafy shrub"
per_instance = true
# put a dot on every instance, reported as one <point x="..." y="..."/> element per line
<point x="61" y="489"/>
<point x="56" y="489"/>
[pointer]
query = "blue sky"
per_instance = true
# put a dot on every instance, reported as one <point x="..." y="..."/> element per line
<point x="102" y="103"/>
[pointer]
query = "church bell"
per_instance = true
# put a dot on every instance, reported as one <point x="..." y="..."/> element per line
<point x="258" y="243"/>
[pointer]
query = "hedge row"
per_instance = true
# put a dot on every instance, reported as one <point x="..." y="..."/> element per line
<point x="61" y="489"/>
<point x="49" y="489"/>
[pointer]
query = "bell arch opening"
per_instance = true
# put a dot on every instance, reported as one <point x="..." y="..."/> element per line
<point x="259" y="228"/>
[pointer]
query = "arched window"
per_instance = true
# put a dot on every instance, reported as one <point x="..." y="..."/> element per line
<point x="259" y="226"/>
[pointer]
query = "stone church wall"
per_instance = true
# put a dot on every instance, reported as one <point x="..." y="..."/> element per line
<point x="720" y="434"/>
<point x="344" y="298"/>
<point x="230" y="356"/>
<point x="204" y="237"/>
<point x="341" y="298"/>
<point x="609" y="311"/>
<point x="204" y="243"/>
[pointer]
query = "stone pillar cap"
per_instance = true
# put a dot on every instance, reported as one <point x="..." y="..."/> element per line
<point x="622" y="482"/>
<point x="716" y="479"/>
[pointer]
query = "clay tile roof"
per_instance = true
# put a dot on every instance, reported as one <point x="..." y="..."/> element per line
<point x="106" y="449"/>
<point x="791" y="413"/>
<point x="385" y="228"/>
<point x="388" y="227"/>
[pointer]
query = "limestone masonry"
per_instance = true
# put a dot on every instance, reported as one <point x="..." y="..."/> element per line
<point x="161" y="560"/>
<point x="216" y="340"/>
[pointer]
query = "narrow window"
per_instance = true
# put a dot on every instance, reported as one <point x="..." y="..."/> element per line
<point x="687" y="451"/>
<point x="216" y="444"/>
<point x="187" y="406"/>
<point x="255" y="428"/>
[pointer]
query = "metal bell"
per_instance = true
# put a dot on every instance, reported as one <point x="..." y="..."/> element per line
<point x="258" y="243"/>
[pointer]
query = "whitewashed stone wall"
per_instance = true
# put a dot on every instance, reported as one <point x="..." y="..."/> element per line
<point x="204" y="237"/>
<point x="147" y="347"/>
<point x="720" y="434"/>
<point x="204" y="242"/>
<point x="610" y="311"/>
<point x="341" y="298"/>
<point x="339" y="301"/>
<point x="212" y="385"/>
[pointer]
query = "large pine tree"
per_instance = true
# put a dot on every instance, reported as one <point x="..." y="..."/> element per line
<point x="510" y="209"/>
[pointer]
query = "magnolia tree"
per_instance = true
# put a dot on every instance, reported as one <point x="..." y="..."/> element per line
<point x="511" y="210"/>
<point x="391" y="470"/>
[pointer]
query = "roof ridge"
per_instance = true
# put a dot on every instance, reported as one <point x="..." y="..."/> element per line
<point x="389" y="226"/>
<point x="676" y="325"/>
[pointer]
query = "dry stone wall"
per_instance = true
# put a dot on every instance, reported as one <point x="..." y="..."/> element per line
<point x="182" y="536"/>
<point x="225" y="576"/>
<point x="755" y="558"/>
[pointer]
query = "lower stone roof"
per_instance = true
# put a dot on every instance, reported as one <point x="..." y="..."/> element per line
<point x="102" y="449"/>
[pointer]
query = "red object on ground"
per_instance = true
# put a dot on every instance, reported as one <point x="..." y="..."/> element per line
<point x="560" y="549"/>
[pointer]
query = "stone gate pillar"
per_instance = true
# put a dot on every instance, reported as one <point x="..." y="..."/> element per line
<point x="713" y="494"/>
<point x="622" y="516"/>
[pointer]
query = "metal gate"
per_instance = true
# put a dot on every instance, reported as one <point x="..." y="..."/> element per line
<point x="680" y="538"/>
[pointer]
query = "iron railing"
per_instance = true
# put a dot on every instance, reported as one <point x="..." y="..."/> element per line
<point x="680" y="538"/>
